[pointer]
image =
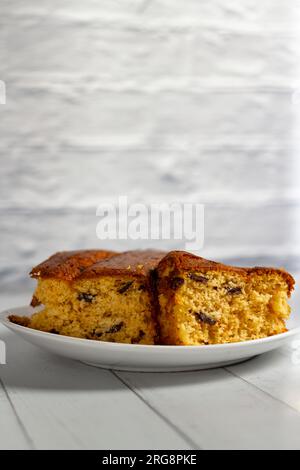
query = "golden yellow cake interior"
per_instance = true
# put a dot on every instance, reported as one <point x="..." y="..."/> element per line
<point x="106" y="309"/>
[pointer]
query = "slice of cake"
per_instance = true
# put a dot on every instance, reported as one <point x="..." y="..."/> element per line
<point x="203" y="302"/>
<point x="112" y="299"/>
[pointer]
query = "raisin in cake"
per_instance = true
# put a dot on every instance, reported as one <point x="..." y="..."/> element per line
<point x="203" y="302"/>
<point x="110" y="299"/>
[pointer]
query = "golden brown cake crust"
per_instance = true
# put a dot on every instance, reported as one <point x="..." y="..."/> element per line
<point x="182" y="260"/>
<point x="137" y="263"/>
<point x="68" y="265"/>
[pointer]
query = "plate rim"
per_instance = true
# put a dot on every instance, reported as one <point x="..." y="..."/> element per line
<point x="157" y="347"/>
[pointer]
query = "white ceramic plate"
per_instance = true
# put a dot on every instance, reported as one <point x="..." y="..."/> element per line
<point x="135" y="357"/>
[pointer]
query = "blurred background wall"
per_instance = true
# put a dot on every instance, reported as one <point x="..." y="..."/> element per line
<point x="161" y="99"/>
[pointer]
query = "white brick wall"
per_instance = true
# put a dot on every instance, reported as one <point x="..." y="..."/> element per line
<point x="158" y="100"/>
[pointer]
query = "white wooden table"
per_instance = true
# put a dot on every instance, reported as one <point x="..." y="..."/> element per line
<point x="47" y="402"/>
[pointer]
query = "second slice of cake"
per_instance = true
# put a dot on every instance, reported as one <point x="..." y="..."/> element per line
<point x="204" y="302"/>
